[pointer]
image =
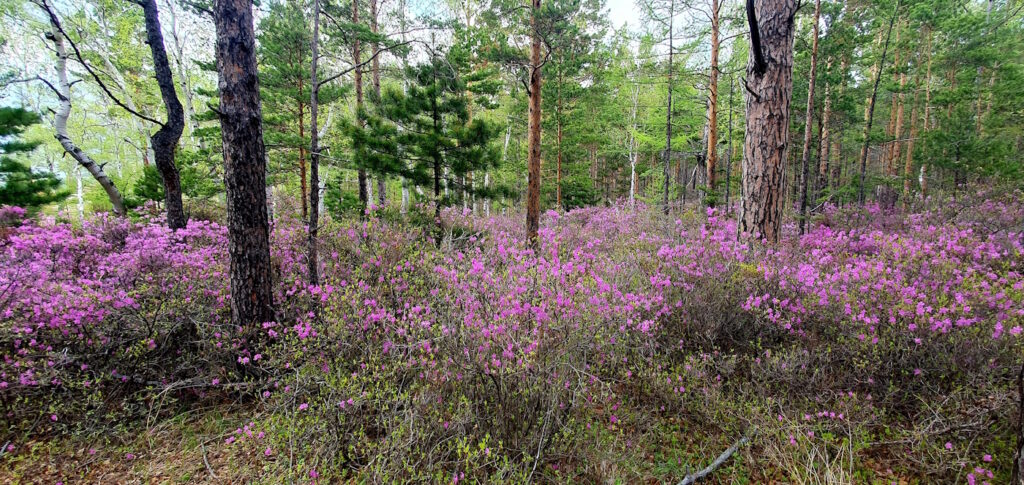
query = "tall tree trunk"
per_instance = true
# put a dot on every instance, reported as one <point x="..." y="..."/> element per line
<point x="668" y="110"/>
<point x="634" y="154"/>
<point x="60" y="122"/>
<point x="533" y="138"/>
<point x="823" y="141"/>
<point x="558" y="143"/>
<point x="728" y="157"/>
<point x="244" y="164"/>
<point x="191" y="123"/>
<point x="712" y="153"/>
<point x="908" y="164"/>
<point x="894" y="101"/>
<point x="897" y="131"/>
<point x="805" y="157"/>
<point x="165" y="140"/>
<point x="375" y="67"/>
<point x="312" y="261"/>
<point x="357" y="78"/>
<point x="926" y="124"/>
<point x="870" y="115"/>
<point x="301" y="115"/>
<point x="766" y="147"/>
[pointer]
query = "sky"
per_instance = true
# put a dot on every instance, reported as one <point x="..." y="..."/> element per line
<point x="623" y="11"/>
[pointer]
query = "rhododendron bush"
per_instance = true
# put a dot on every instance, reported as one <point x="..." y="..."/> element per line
<point x="626" y="345"/>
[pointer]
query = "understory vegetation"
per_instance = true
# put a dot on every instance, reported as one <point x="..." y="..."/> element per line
<point x="881" y="346"/>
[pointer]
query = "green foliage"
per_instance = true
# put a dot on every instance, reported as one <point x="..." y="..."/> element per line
<point x="20" y="185"/>
<point x="150" y="186"/>
<point x="579" y="192"/>
<point x="340" y="202"/>
<point x="425" y="133"/>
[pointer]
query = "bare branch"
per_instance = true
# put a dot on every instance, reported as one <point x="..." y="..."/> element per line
<point x="81" y="59"/>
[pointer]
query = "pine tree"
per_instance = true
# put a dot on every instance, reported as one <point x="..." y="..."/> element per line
<point x="20" y="185"/>
<point x="426" y="131"/>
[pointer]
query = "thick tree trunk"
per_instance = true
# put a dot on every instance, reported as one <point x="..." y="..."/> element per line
<point x="870" y="114"/>
<point x="711" y="159"/>
<point x="766" y="147"/>
<point x="805" y="157"/>
<point x="60" y="125"/>
<point x="244" y="164"/>
<point x="533" y="138"/>
<point x="312" y="261"/>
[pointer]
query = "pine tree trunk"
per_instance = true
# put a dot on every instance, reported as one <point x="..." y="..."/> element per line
<point x="870" y="114"/>
<point x="533" y="139"/>
<point x="244" y="164"/>
<point x="805" y="157"/>
<point x="897" y="131"/>
<point x="728" y="157"/>
<point x="766" y="147"/>
<point x="823" y="141"/>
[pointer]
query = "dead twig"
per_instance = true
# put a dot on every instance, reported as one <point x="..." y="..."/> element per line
<point x="696" y="477"/>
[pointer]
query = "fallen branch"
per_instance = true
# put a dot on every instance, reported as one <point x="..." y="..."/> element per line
<point x="202" y="446"/>
<point x="696" y="477"/>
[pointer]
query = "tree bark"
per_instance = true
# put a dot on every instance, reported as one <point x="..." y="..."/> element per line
<point x="165" y="140"/>
<point x="533" y="138"/>
<point x="60" y="123"/>
<point x="805" y="157"/>
<point x="244" y="164"/>
<point x="766" y="147"/>
<point x="312" y="266"/>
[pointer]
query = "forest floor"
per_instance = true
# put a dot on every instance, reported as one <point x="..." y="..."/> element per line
<point x="882" y="347"/>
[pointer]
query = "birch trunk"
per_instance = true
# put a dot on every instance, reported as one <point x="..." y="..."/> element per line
<point x="60" y="127"/>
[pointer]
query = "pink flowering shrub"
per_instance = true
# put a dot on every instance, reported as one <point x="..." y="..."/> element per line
<point x="489" y="360"/>
<point x="103" y="311"/>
